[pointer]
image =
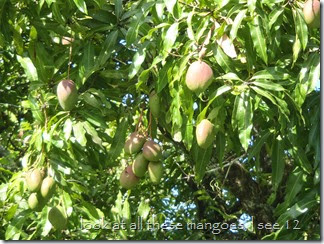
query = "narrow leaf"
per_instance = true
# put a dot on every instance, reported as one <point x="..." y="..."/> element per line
<point x="258" y="38"/>
<point x="118" y="140"/>
<point x="268" y="85"/>
<point x="81" y="6"/>
<point x="278" y="162"/>
<point x="237" y="23"/>
<point x="301" y="27"/>
<point x="170" y="37"/>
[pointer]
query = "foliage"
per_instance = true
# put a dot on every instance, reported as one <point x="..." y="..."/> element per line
<point x="263" y="166"/>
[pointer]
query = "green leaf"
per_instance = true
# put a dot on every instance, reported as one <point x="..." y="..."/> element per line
<point x="274" y="15"/>
<point x="36" y="110"/>
<point x="296" y="49"/>
<point x="302" y="207"/>
<point x="300" y="27"/>
<point x="92" y="132"/>
<point x="137" y="61"/>
<point x="170" y="37"/>
<point x="271" y="73"/>
<point x="118" y="8"/>
<point x="81" y="6"/>
<point x="314" y="74"/>
<point x="79" y="133"/>
<point x="300" y="156"/>
<point x="223" y="60"/>
<point x="67" y="128"/>
<point x="118" y="140"/>
<point x="94" y="118"/>
<point x="237" y="23"/>
<point x="126" y="212"/>
<point x="87" y="63"/>
<point x="190" y="32"/>
<point x="170" y="5"/>
<point x="243" y="118"/>
<point x="132" y="32"/>
<point x="164" y="76"/>
<point x="29" y="68"/>
<point x="202" y="158"/>
<point x="251" y="5"/>
<point x="13" y="231"/>
<point x="11" y="212"/>
<point x="268" y="85"/>
<point x="107" y="49"/>
<point x="258" y="38"/>
<point x="229" y="76"/>
<point x="214" y="95"/>
<point x="278" y="162"/>
<point x="294" y="185"/>
<point x="90" y="210"/>
<point x="257" y="145"/>
<point x="275" y="100"/>
<point x="143" y="209"/>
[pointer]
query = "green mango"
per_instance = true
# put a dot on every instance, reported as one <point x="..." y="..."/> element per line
<point x="152" y="151"/>
<point x="154" y="104"/>
<point x="34" y="180"/>
<point x="139" y="165"/>
<point x="48" y="187"/>
<point x="134" y="143"/>
<point x="57" y="217"/>
<point x="36" y="202"/>
<point x="155" y="170"/>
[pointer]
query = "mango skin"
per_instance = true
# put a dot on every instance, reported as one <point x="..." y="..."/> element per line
<point x="154" y="104"/>
<point x="134" y="143"/>
<point x="34" y="180"/>
<point x="155" y="170"/>
<point x="128" y="179"/>
<point x="36" y="202"/>
<point x="67" y="94"/>
<point x="48" y="187"/>
<point x="205" y="133"/>
<point x="199" y="76"/>
<point x="152" y="151"/>
<point x="57" y="218"/>
<point x="312" y="13"/>
<point x="139" y="165"/>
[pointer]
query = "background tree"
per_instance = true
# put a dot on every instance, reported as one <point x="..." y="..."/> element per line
<point x="263" y="162"/>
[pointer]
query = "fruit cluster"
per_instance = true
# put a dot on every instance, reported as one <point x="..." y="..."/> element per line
<point x="148" y="156"/>
<point x="42" y="190"/>
<point x="198" y="78"/>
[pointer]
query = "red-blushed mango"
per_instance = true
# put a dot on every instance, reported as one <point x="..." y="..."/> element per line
<point x="139" y="165"/>
<point x="34" y="180"/>
<point x="128" y="179"/>
<point x="48" y="187"/>
<point x="57" y="217"/>
<point x="205" y="133"/>
<point x="67" y="94"/>
<point x="152" y="151"/>
<point x="312" y="13"/>
<point x="134" y="143"/>
<point x="155" y="170"/>
<point x="199" y="76"/>
<point x="154" y="104"/>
